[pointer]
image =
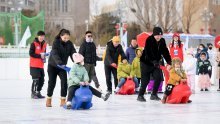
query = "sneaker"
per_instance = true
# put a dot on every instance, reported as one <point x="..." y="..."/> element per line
<point x="206" y="89"/>
<point x="107" y="95"/>
<point x="201" y="90"/>
<point x="40" y="96"/>
<point x="68" y="105"/>
<point x="155" y="97"/>
<point x="141" y="99"/>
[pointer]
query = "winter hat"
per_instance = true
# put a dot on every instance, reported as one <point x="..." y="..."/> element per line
<point x="209" y="44"/>
<point x="78" y="58"/>
<point x="116" y="39"/>
<point x="176" y="35"/>
<point x="157" y="31"/>
<point x="139" y="48"/>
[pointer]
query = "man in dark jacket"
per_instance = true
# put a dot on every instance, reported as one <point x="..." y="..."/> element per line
<point x="88" y="50"/>
<point x="37" y="57"/>
<point x="113" y="50"/>
<point x="130" y="52"/>
<point x="155" y="47"/>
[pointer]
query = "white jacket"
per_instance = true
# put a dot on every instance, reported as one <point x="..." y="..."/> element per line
<point x="189" y="65"/>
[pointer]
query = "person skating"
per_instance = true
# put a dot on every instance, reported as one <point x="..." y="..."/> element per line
<point x="78" y="76"/>
<point x="155" y="47"/>
<point x="62" y="49"/>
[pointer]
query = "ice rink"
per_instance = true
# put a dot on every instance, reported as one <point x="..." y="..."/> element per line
<point x="16" y="106"/>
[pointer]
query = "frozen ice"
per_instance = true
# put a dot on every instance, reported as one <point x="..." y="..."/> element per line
<point x="16" y="106"/>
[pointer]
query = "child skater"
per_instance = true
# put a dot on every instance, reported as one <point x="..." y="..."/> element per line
<point x="124" y="72"/>
<point x="204" y="67"/>
<point x="135" y="67"/>
<point x="177" y="75"/>
<point x="79" y="76"/>
<point x="189" y="65"/>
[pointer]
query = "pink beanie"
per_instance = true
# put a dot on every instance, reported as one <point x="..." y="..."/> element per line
<point x="78" y="58"/>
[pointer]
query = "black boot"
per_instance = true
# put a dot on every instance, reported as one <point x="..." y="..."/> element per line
<point x="39" y="95"/>
<point x="141" y="99"/>
<point x="34" y="95"/>
<point x="206" y="89"/>
<point x="154" y="97"/>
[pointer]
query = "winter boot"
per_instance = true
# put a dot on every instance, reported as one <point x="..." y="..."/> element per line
<point x="141" y="99"/>
<point x="48" y="102"/>
<point x="62" y="101"/>
<point x="154" y="97"/>
<point x="39" y="95"/>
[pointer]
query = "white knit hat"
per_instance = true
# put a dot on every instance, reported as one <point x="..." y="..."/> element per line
<point x="78" y="58"/>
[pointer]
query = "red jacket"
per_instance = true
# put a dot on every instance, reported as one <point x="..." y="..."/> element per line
<point x="176" y="51"/>
<point x="35" y="57"/>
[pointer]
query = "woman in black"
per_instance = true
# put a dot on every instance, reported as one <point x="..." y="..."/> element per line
<point x="61" y="50"/>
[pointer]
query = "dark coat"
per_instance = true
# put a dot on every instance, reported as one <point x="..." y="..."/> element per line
<point x="60" y="52"/>
<point x="88" y="50"/>
<point x="153" y="51"/>
<point x="112" y="53"/>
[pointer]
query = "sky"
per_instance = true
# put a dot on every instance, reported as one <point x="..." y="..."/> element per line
<point x="100" y="4"/>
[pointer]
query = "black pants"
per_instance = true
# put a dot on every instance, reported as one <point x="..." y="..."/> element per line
<point x="108" y="71"/>
<point x="169" y="89"/>
<point x="38" y="79"/>
<point x="72" y="90"/>
<point x="90" y="68"/>
<point x="146" y="72"/>
<point x="52" y="73"/>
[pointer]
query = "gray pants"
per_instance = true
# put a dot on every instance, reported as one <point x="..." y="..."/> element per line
<point x="90" y="68"/>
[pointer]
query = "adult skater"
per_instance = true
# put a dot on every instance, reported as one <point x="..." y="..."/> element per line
<point x="62" y="49"/>
<point x="155" y="47"/>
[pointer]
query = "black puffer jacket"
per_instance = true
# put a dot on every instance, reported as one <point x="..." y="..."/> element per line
<point x="60" y="52"/>
<point x="112" y="53"/>
<point x="153" y="51"/>
<point x="88" y="50"/>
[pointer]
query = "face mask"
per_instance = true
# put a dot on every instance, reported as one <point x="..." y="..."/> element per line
<point x="201" y="48"/>
<point x="89" y="39"/>
<point x="210" y="48"/>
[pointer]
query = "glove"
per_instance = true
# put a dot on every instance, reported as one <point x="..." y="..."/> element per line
<point x="209" y="68"/>
<point x="61" y="66"/>
<point x="156" y="64"/>
<point x="47" y="54"/>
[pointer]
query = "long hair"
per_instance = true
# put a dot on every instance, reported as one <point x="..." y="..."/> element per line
<point x="179" y="43"/>
<point x="62" y="32"/>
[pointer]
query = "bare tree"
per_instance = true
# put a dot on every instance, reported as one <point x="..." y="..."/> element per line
<point x="141" y="10"/>
<point x="158" y="12"/>
<point x="190" y="8"/>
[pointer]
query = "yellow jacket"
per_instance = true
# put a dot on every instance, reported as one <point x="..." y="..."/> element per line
<point x="175" y="78"/>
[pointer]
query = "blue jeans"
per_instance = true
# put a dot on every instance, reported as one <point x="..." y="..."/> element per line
<point x="123" y="80"/>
